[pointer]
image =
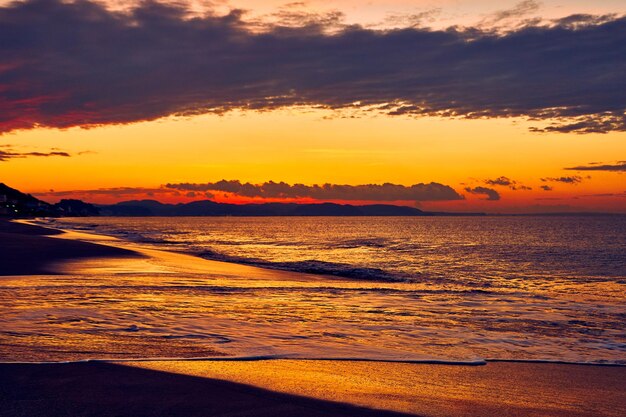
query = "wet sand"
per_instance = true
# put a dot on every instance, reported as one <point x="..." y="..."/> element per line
<point x="106" y="389"/>
<point x="28" y="250"/>
<point x="496" y="389"/>
<point x="310" y="388"/>
<point x="277" y="387"/>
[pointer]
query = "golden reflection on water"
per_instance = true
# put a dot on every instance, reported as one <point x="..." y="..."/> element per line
<point x="173" y="305"/>
<point x="184" y="306"/>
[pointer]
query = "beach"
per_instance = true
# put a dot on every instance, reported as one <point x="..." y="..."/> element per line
<point x="220" y="386"/>
<point x="29" y="249"/>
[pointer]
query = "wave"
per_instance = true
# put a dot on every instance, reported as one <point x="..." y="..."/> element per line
<point x="136" y="237"/>
<point x="254" y="358"/>
<point x="311" y="266"/>
<point x="362" y="243"/>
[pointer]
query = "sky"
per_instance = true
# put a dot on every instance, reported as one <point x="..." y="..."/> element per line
<point x="503" y="107"/>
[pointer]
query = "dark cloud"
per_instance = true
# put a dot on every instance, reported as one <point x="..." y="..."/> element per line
<point x="617" y="167"/>
<point x="507" y="182"/>
<point x="622" y="194"/>
<point x="413" y="19"/>
<point x="596" y="123"/>
<point x="574" y="179"/>
<point x="297" y="15"/>
<point x="491" y="194"/>
<point x="367" y="192"/>
<point x="66" y="64"/>
<point x="115" y="192"/>
<point x="580" y="19"/>
<point x="546" y="188"/>
<point x="500" y="181"/>
<point x="7" y="153"/>
<point x="521" y="9"/>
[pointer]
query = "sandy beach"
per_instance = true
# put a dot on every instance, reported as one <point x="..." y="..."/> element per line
<point x="29" y="249"/>
<point x="271" y="387"/>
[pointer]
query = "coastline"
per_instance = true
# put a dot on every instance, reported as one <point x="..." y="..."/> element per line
<point x="286" y="387"/>
<point x="30" y="250"/>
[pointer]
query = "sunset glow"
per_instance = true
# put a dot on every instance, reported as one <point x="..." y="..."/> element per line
<point x="313" y="208"/>
<point x="104" y="140"/>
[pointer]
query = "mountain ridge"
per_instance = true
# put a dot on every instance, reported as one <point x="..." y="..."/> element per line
<point x="212" y="208"/>
<point x="14" y="203"/>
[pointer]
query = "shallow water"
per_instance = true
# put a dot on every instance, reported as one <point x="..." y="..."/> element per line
<point x="448" y="288"/>
<point x="473" y="251"/>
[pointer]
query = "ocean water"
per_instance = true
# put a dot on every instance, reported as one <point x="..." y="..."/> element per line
<point x="396" y="288"/>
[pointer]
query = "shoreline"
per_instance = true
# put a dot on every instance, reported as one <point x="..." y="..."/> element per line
<point x="260" y="358"/>
<point x="29" y="249"/>
<point x="310" y="388"/>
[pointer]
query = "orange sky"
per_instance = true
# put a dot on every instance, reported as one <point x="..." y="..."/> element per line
<point x="305" y="147"/>
<point x="442" y="13"/>
<point x="312" y="146"/>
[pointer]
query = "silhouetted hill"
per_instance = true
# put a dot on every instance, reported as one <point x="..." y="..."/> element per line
<point x="211" y="208"/>
<point x="14" y="203"/>
<point x="76" y="208"/>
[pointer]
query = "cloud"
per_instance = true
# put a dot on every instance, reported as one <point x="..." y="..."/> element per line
<point x="507" y="182"/>
<point x="574" y="179"/>
<point x="500" y="181"/>
<point x="580" y="19"/>
<point x="368" y="192"/>
<point x="621" y="195"/>
<point x="297" y="15"/>
<point x="596" y="123"/>
<point x="412" y="19"/>
<point x="114" y="192"/>
<point x="546" y="188"/>
<point x="65" y="64"/>
<point x="8" y="153"/>
<point x="620" y="166"/>
<point x="521" y="9"/>
<point x="492" y="195"/>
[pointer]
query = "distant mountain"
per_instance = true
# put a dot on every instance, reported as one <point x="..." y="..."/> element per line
<point x="211" y="208"/>
<point x="76" y="208"/>
<point x="14" y="203"/>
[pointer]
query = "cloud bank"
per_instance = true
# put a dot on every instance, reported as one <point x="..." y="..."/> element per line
<point x="7" y="153"/>
<point x="367" y="192"/>
<point x="574" y="179"/>
<point x="617" y="167"/>
<point x="116" y="192"/>
<point x="507" y="182"/>
<point x="490" y="193"/>
<point x="65" y="64"/>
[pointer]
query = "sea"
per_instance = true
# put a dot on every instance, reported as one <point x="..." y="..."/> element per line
<point x="416" y="289"/>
